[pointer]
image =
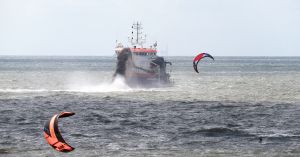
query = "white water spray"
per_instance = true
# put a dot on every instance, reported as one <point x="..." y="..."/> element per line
<point x="117" y="85"/>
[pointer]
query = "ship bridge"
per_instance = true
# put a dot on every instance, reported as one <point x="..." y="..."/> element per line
<point x="144" y="51"/>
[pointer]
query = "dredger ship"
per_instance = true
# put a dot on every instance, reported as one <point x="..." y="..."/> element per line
<point x="140" y="65"/>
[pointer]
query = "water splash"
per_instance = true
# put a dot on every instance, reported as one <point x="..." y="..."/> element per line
<point x="84" y="83"/>
<point x="117" y="85"/>
<point x="79" y="83"/>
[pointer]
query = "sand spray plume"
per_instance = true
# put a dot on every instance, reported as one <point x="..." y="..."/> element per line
<point x="124" y="58"/>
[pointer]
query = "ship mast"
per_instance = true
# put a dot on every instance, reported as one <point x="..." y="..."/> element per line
<point x="138" y="39"/>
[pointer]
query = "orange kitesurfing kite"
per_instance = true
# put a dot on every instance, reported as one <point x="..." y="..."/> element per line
<point x="52" y="134"/>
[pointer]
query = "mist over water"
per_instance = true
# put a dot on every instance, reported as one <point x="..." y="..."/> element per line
<point x="222" y="111"/>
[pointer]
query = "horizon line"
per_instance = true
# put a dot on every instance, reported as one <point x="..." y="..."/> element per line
<point x="32" y="55"/>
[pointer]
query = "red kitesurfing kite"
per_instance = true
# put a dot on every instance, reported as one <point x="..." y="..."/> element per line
<point x="53" y="135"/>
<point x="198" y="58"/>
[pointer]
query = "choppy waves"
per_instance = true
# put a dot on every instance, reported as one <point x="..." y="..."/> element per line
<point x="112" y="126"/>
<point x="233" y="107"/>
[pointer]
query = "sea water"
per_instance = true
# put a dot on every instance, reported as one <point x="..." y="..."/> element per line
<point x="235" y="106"/>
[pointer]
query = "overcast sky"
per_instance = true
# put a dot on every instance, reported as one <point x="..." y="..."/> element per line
<point x="181" y="27"/>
